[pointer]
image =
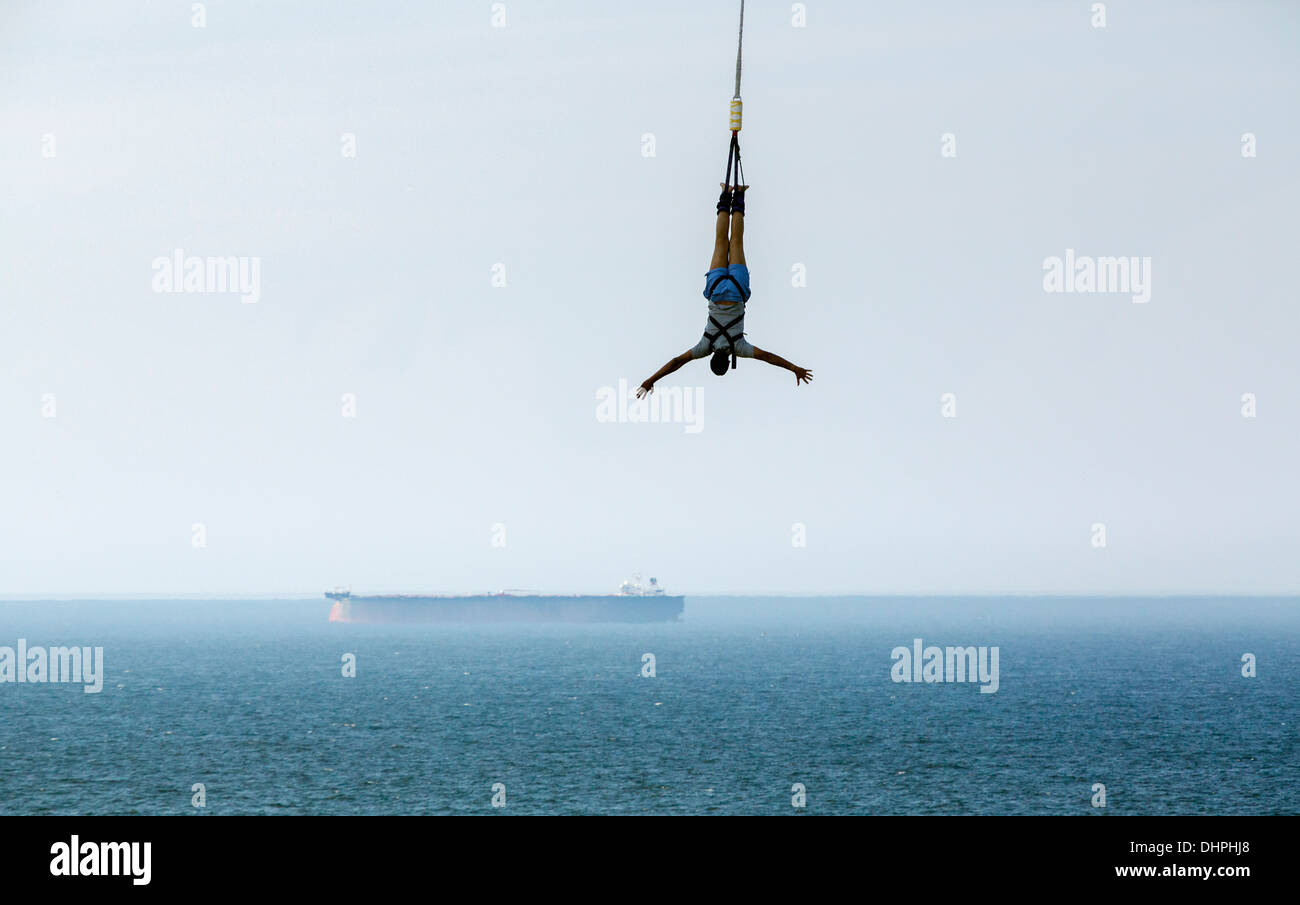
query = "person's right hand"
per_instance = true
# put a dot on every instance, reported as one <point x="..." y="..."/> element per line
<point x="644" y="390"/>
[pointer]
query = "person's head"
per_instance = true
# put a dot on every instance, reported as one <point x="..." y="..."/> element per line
<point x="719" y="362"/>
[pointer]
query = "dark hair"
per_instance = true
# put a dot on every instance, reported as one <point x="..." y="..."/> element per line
<point x="720" y="361"/>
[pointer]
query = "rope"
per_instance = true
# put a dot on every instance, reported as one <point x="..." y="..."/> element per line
<point x="733" y="150"/>
<point x="733" y="154"/>
<point x="739" y="40"/>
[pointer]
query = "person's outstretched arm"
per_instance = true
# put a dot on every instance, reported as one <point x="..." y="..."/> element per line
<point x="673" y="364"/>
<point x="801" y="375"/>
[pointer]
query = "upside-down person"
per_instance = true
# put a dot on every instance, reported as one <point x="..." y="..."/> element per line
<point x="726" y="286"/>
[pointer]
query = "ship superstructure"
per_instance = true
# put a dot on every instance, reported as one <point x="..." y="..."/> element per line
<point x="634" y="602"/>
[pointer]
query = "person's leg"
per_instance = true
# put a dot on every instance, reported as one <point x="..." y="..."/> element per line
<point x="719" y="258"/>
<point x="736" y="251"/>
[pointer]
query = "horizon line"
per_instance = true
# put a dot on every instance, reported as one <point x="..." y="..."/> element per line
<point x="299" y="595"/>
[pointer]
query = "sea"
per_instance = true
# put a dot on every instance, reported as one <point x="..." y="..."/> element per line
<point x="1100" y="706"/>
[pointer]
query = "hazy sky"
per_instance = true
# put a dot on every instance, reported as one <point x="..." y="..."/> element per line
<point x="127" y="133"/>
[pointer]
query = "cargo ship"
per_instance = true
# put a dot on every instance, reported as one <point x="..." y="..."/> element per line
<point x="634" y="602"/>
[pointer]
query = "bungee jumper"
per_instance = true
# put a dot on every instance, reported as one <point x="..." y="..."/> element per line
<point x="726" y="285"/>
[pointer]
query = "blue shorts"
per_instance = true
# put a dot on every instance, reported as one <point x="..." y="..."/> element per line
<point x="725" y="290"/>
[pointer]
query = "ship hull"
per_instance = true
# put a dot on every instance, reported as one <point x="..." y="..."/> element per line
<point x="508" y="608"/>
